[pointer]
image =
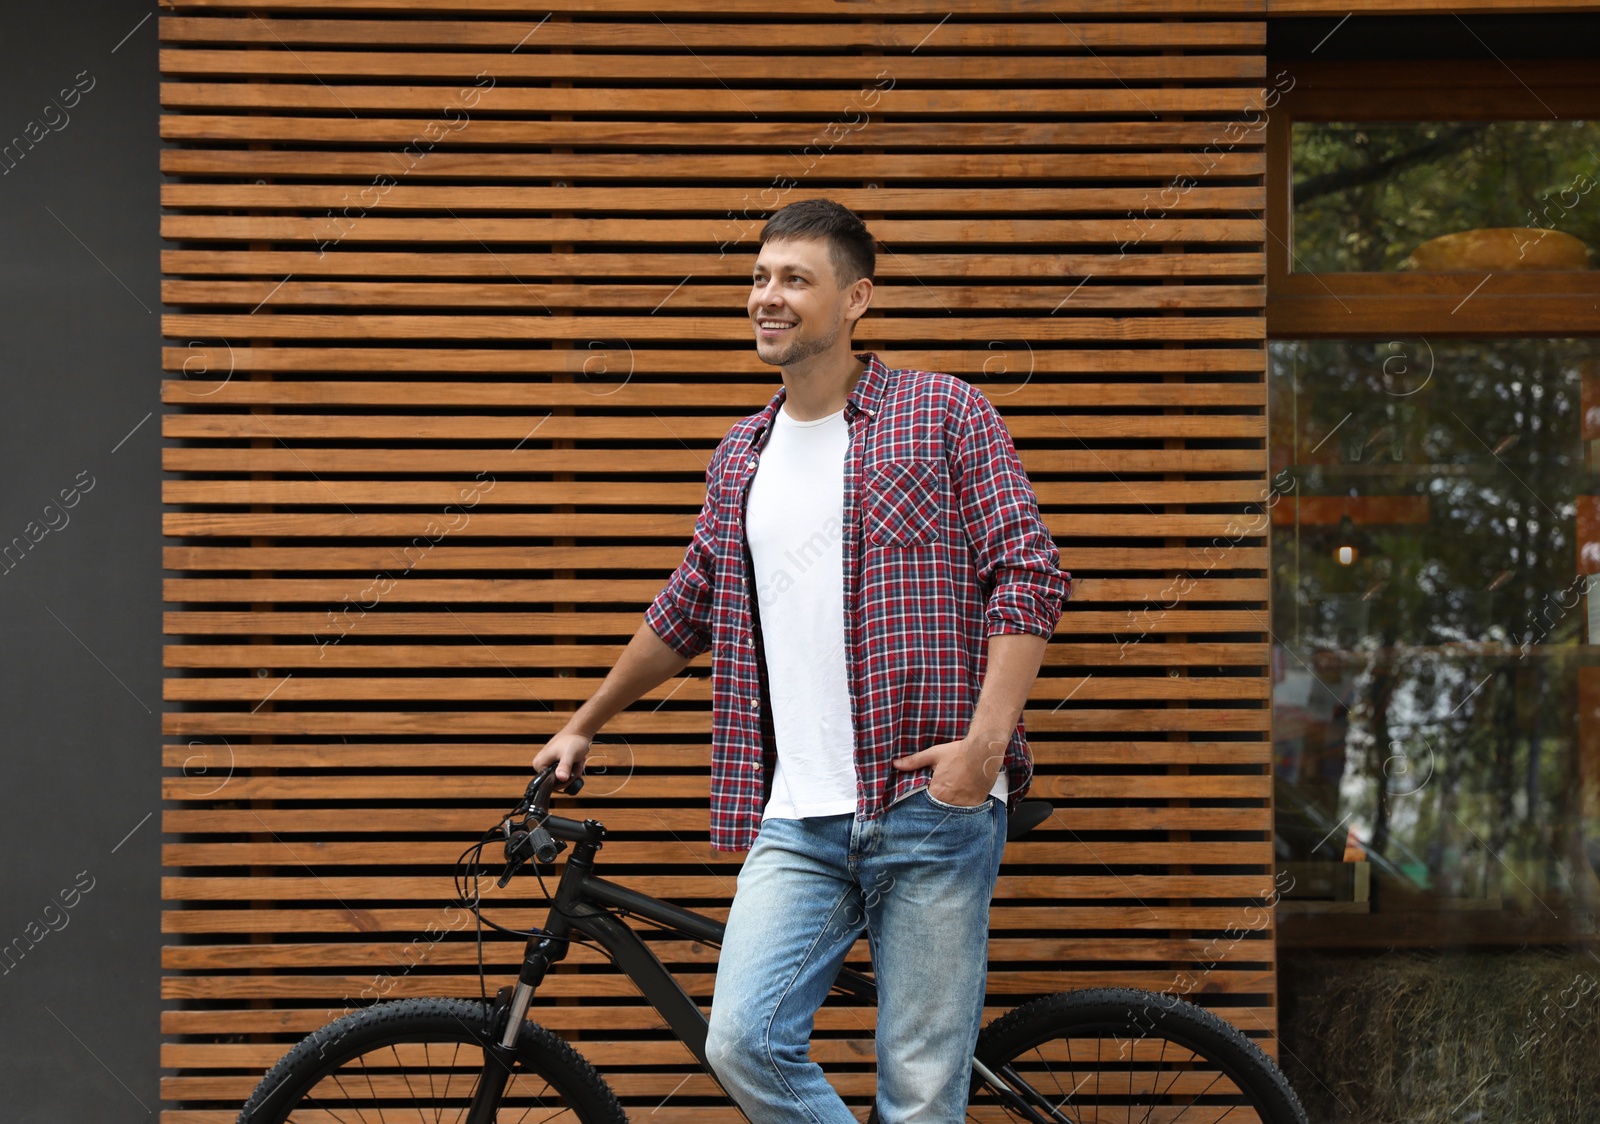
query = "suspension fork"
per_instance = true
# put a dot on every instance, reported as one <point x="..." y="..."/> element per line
<point x="506" y="1020"/>
<point x="511" y="1004"/>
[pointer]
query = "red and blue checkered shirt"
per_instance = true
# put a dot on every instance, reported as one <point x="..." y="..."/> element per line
<point x="943" y="548"/>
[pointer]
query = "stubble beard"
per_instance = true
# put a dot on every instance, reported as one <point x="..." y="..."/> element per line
<point x="799" y="350"/>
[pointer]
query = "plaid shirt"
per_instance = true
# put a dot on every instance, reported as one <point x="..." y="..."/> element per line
<point x="943" y="547"/>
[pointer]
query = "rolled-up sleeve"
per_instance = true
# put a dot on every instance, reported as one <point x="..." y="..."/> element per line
<point x="681" y="612"/>
<point x="1017" y="561"/>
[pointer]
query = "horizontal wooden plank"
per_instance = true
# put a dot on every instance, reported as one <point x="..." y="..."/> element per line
<point x="531" y="722"/>
<point x="635" y="331"/>
<point x="626" y="1054"/>
<point x="673" y="263"/>
<point x="632" y="1083"/>
<point x="668" y="1115"/>
<point x="551" y="427"/>
<point x="268" y="623"/>
<point x="444" y="556"/>
<point x="494" y="756"/>
<point x="604" y="656"/>
<point x="754" y="168"/>
<point x="592" y="525"/>
<point x="205" y="364"/>
<point x="850" y="72"/>
<point x="485" y="492"/>
<point x="1044" y="300"/>
<point x="812" y="140"/>
<point x="527" y="686"/>
<point x="510" y="623"/>
<point x="612" y="558"/>
<point x="602" y="1052"/>
<point x="618" y="759"/>
<point x="1148" y="923"/>
<point x="1168" y="592"/>
<point x="323" y="886"/>
<point x="860" y="108"/>
<point x="716" y="233"/>
<point x="1514" y="316"/>
<point x="645" y="1087"/>
<point x="347" y="989"/>
<point x="425" y="950"/>
<point x="690" y="823"/>
<point x="900" y="8"/>
<point x="1051" y="34"/>
<point x="319" y="855"/>
<point x="1014" y="388"/>
<point x="1036" y="460"/>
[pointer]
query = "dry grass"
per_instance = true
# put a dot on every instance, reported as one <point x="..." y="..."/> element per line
<point x="1405" y="1038"/>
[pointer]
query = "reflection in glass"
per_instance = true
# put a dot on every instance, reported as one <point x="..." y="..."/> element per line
<point x="1430" y="621"/>
<point x="1436" y="726"/>
<point x="1372" y="196"/>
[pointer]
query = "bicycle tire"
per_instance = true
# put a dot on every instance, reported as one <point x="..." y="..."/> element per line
<point x="421" y="1059"/>
<point x="1121" y="1054"/>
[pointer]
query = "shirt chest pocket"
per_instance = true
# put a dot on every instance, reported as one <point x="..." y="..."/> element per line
<point x="902" y="502"/>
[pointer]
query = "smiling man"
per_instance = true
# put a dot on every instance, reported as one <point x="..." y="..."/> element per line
<point x="872" y="576"/>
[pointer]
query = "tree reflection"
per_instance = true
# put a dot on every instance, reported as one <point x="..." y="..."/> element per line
<point x="1427" y="692"/>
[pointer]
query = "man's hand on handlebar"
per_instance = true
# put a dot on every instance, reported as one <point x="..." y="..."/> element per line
<point x="567" y="752"/>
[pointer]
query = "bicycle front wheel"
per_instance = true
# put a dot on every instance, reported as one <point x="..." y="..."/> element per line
<point x="418" y="1060"/>
<point x="1119" y="1054"/>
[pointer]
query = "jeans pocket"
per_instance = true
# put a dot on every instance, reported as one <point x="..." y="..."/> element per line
<point x="959" y="809"/>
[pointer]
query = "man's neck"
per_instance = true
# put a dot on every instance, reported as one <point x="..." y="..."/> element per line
<point x="818" y="387"/>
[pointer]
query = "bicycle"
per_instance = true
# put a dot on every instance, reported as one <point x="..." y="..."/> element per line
<point x="1083" y="1057"/>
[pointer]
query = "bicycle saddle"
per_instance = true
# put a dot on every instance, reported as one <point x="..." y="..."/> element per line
<point x="1029" y="815"/>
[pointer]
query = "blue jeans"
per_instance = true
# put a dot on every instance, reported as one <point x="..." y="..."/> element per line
<point x="919" y="879"/>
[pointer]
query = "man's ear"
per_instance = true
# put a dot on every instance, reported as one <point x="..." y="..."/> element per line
<point x="860" y="298"/>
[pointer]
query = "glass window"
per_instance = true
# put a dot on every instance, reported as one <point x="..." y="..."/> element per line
<point x="1431" y="619"/>
<point x="1445" y="195"/>
<point x="1436" y="723"/>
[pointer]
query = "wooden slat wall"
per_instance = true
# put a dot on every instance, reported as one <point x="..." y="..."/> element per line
<point x="437" y="431"/>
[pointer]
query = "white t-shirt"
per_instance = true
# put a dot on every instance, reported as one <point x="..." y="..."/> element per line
<point x="795" y="525"/>
<point x="794" y="522"/>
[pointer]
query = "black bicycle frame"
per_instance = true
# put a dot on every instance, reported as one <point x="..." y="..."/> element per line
<point x="594" y="907"/>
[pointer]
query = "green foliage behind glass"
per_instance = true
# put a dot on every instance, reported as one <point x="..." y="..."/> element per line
<point x="1367" y="194"/>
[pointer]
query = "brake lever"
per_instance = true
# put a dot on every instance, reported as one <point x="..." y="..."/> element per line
<point x="523" y="843"/>
<point x="519" y="847"/>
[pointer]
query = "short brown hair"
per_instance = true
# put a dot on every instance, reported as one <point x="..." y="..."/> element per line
<point x="850" y="246"/>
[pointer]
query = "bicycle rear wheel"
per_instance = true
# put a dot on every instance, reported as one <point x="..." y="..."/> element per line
<point x="416" y="1060"/>
<point x="1119" y="1054"/>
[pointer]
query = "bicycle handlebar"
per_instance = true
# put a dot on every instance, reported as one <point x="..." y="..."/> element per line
<point x="529" y="837"/>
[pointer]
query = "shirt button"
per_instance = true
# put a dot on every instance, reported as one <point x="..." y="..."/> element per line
<point x="752" y="462"/>
<point x="755" y="704"/>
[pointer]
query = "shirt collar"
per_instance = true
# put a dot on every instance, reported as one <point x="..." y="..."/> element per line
<point x="862" y="399"/>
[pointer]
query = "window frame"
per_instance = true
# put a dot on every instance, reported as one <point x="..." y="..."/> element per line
<point x="1310" y="305"/>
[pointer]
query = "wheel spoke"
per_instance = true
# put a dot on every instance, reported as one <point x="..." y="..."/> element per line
<point x="1198" y="1095"/>
<point x="1182" y="1064"/>
<point x="1161" y="1058"/>
<point x="557" y="1111"/>
<point x="398" y="1063"/>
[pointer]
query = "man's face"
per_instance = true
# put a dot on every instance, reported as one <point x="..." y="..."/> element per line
<point x="797" y="308"/>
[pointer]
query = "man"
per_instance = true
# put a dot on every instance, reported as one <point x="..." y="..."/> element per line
<point x="873" y="579"/>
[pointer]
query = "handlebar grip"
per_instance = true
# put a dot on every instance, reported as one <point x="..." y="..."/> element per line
<point x="545" y="848"/>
